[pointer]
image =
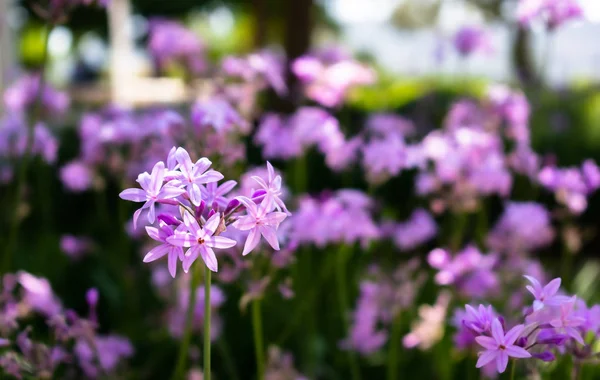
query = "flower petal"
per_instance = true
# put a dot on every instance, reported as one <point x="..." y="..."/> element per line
<point x="170" y="192"/>
<point x="209" y="176"/>
<point x="172" y="261"/>
<point x="195" y="194"/>
<point x="182" y="239"/>
<point x="190" y="256"/>
<point x="270" y="235"/>
<point x="512" y="335"/>
<point x="487" y="342"/>
<point x="552" y="287"/>
<point x="153" y="233"/>
<point x="156" y="177"/>
<point x="245" y="223"/>
<point x="517" y="352"/>
<point x="225" y="188"/>
<point x="212" y="224"/>
<point x="274" y="218"/>
<point x="220" y="242"/>
<point x="191" y="223"/>
<point x="156" y="253"/>
<point x="133" y="195"/>
<point x="497" y="331"/>
<point x="501" y="361"/>
<point x="208" y="255"/>
<point x="485" y="358"/>
<point x="251" y="241"/>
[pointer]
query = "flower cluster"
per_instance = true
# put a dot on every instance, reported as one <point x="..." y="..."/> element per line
<point x="571" y="185"/>
<point x="77" y="349"/>
<point x="553" y="324"/>
<point x="553" y="13"/>
<point x="343" y="216"/>
<point x="171" y="43"/>
<point x="328" y="81"/>
<point x="181" y="191"/>
<point x="383" y="296"/>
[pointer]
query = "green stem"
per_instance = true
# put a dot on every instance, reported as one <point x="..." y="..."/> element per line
<point x="258" y="339"/>
<point x="207" y="309"/>
<point x="392" y="373"/>
<point x="179" y="372"/>
<point x="300" y="179"/>
<point x="566" y="264"/>
<point x="513" y="366"/>
<point x="458" y="230"/>
<point x="342" y="283"/>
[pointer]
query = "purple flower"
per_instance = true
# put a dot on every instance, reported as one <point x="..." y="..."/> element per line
<point x="213" y="192"/>
<point x="152" y="191"/>
<point x="218" y="114"/>
<point x="472" y="39"/>
<point x="546" y="295"/>
<point x="76" y="176"/>
<point x="174" y="252"/>
<point x="523" y="227"/>
<point x="553" y="12"/>
<point x="170" y="41"/>
<point x="567" y="321"/>
<point x="259" y="222"/>
<point x="418" y="229"/>
<point x="38" y="294"/>
<point x="200" y="240"/>
<point x="192" y="175"/>
<point x="75" y="247"/>
<point x="500" y="347"/>
<point x="328" y="84"/>
<point x="479" y="320"/>
<point x="273" y="190"/>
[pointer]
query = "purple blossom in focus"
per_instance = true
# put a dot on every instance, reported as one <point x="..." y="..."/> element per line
<point x="500" y="346"/>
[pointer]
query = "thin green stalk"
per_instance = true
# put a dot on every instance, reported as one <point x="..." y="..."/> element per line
<point x="393" y="354"/>
<point x="13" y="232"/>
<point x="179" y="372"/>
<point x="300" y="178"/>
<point x="513" y="366"/>
<point x="458" y="230"/>
<point x="342" y="283"/>
<point x="566" y="264"/>
<point x="258" y="339"/>
<point x="207" y="309"/>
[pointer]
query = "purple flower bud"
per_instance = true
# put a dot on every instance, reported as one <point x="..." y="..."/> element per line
<point x="200" y="209"/>
<point x="231" y="205"/>
<point x="258" y="196"/>
<point x="215" y="206"/>
<point x="169" y="219"/>
<point x="522" y="341"/>
<point x="546" y="356"/>
<point x="91" y="296"/>
<point x="211" y="213"/>
<point x="502" y="322"/>
<point x="558" y="339"/>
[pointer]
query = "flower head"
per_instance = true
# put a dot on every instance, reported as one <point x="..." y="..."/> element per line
<point x="500" y="346"/>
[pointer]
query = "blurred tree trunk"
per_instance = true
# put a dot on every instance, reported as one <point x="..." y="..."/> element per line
<point x="523" y="60"/>
<point x="261" y="23"/>
<point x="298" y="32"/>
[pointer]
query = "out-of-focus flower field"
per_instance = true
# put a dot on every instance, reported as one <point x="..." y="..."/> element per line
<point x="237" y="195"/>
